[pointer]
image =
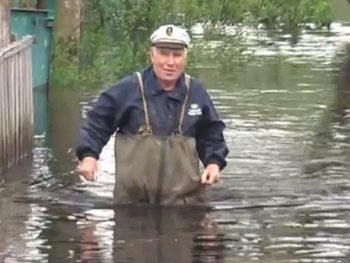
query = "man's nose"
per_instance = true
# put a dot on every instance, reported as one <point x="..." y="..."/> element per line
<point x="170" y="61"/>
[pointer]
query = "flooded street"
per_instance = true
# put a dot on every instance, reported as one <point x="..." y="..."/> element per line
<point x="284" y="196"/>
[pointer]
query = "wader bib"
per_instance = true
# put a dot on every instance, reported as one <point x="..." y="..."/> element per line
<point x="157" y="170"/>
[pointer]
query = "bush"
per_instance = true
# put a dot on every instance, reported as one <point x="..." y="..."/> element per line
<point x="114" y="37"/>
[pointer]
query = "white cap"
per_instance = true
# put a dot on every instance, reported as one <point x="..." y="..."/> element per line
<point x="170" y="36"/>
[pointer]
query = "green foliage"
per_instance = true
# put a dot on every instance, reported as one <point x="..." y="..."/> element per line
<point x="115" y="33"/>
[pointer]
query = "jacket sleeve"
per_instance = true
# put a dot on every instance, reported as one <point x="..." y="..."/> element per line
<point x="211" y="145"/>
<point x="102" y="122"/>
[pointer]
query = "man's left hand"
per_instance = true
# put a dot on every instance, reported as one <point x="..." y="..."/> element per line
<point x="211" y="174"/>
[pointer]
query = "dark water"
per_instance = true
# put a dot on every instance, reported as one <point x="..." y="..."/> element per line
<point x="284" y="197"/>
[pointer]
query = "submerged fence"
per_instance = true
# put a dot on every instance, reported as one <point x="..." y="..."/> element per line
<point x="16" y="103"/>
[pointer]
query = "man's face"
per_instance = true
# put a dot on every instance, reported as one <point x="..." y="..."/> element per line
<point x="168" y="64"/>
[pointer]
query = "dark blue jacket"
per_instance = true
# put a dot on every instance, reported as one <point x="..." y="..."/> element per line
<point x="120" y="107"/>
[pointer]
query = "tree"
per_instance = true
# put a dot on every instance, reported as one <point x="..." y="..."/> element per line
<point x="41" y="4"/>
<point x="5" y="35"/>
<point x="68" y="19"/>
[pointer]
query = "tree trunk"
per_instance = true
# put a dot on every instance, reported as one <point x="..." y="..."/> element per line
<point x="41" y="4"/>
<point x="68" y="19"/>
<point x="29" y="4"/>
<point x="5" y="36"/>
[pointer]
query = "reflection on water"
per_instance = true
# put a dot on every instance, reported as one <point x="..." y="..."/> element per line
<point x="284" y="196"/>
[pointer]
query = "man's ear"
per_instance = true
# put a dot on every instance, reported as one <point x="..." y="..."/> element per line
<point x="151" y="54"/>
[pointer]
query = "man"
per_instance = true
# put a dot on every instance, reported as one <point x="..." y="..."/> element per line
<point x="165" y="122"/>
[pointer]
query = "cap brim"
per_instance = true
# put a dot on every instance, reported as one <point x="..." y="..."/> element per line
<point x="170" y="45"/>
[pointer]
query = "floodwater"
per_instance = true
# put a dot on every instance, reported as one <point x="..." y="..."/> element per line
<point x="284" y="197"/>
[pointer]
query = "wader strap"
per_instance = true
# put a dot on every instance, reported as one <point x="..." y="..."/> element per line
<point x="187" y="83"/>
<point x="145" y="108"/>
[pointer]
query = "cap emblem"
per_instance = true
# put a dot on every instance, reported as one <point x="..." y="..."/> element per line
<point x="169" y="31"/>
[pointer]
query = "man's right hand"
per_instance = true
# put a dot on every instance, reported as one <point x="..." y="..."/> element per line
<point x="87" y="168"/>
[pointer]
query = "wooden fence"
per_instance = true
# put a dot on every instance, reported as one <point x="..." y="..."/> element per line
<point x="16" y="103"/>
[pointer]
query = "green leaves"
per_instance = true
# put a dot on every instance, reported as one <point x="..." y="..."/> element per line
<point x="115" y="33"/>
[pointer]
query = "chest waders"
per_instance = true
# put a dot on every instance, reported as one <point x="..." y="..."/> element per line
<point x="157" y="170"/>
